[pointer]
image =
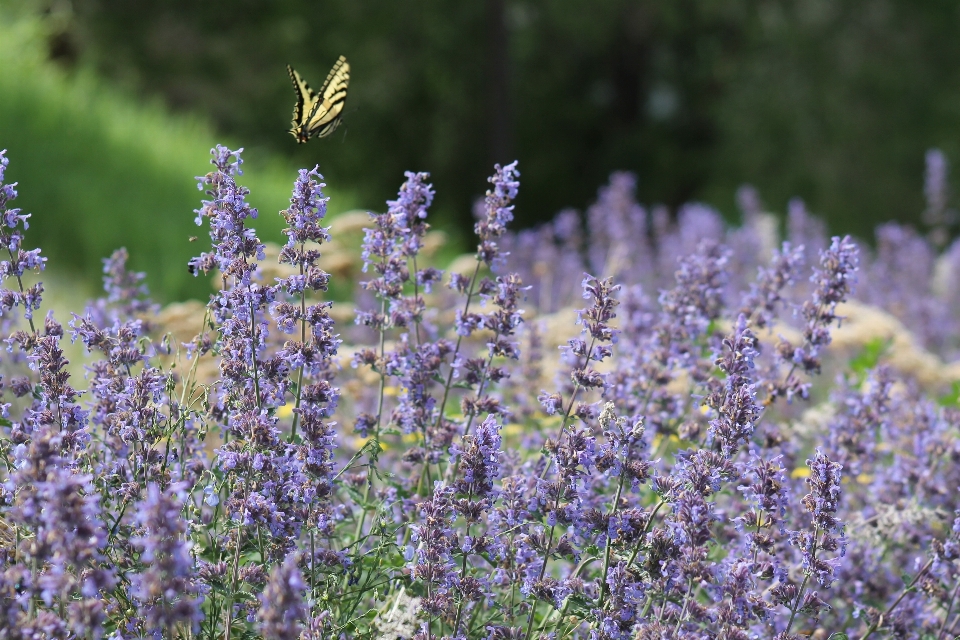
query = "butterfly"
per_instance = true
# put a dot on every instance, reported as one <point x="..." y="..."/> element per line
<point x="319" y="114"/>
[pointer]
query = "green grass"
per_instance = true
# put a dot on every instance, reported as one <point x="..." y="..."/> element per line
<point x="100" y="170"/>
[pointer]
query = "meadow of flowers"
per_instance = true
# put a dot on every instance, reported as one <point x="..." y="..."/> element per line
<point x="623" y="425"/>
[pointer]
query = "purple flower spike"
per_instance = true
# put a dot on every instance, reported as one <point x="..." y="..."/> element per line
<point x="935" y="183"/>
<point x="735" y="404"/>
<point x="166" y="592"/>
<point x="20" y="261"/>
<point x="833" y="284"/>
<point x="282" y="611"/>
<point x="497" y="211"/>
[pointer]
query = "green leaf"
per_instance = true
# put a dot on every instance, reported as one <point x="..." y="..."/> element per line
<point x="951" y="399"/>
<point x="869" y="356"/>
<point x="577" y="604"/>
<point x="838" y="636"/>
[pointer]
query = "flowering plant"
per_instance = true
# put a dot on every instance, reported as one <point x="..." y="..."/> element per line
<point x="695" y="460"/>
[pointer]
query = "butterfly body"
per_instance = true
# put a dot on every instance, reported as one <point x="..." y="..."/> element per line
<point x="318" y="114"/>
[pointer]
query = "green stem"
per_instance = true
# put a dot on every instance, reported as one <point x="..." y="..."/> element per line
<point x="463" y="574"/>
<point x="946" y="616"/>
<point x="643" y="534"/>
<point x="566" y="602"/>
<point x="19" y="280"/>
<point x="876" y="624"/>
<point x="383" y="384"/>
<point x="606" y="551"/>
<point x="303" y="341"/>
<point x="796" y="604"/>
<point x="253" y="349"/>
<point x="683" y="611"/>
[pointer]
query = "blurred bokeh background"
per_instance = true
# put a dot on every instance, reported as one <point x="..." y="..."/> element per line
<point x="109" y="107"/>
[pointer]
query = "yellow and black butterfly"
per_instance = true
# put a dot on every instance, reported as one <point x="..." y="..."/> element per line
<point x="319" y="114"/>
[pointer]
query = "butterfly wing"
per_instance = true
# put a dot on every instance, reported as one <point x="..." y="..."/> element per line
<point x="307" y="102"/>
<point x="324" y="115"/>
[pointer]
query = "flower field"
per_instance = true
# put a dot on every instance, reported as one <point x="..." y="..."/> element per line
<point x="630" y="424"/>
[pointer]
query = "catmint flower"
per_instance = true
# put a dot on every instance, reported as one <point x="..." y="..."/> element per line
<point x="481" y="373"/>
<point x="416" y="369"/>
<point x="697" y="297"/>
<point x="435" y="540"/>
<point x="766" y="294"/>
<point x="833" y="283"/>
<point x="282" y="610"/>
<point x="822" y="504"/>
<point x="410" y="208"/>
<point x="863" y="418"/>
<point x="317" y="343"/>
<point x="396" y="237"/>
<point x="619" y="245"/>
<point x="390" y="250"/>
<point x="126" y="291"/>
<point x="166" y="589"/>
<point x="239" y="307"/>
<point x="20" y="261"/>
<point x="62" y="510"/>
<point x="618" y="453"/>
<point x="497" y="212"/>
<point x="937" y="192"/>
<point x="480" y="457"/>
<point x="765" y="492"/>
<point x="56" y="406"/>
<point x="626" y="596"/>
<point x="595" y="322"/>
<point x="234" y="244"/>
<point x="735" y="403"/>
<point x="804" y="230"/>
<point x="748" y="200"/>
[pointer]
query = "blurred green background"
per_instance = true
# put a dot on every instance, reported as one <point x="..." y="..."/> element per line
<point x="108" y="107"/>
